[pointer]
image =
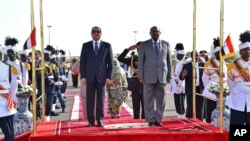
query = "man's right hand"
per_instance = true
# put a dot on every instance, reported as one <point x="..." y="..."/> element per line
<point x="184" y="73"/>
<point x="84" y="81"/>
<point x="142" y="81"/>
<point x="133" y="47"/>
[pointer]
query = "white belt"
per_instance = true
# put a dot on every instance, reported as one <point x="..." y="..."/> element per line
<point x="51" y="77"/>
<point x="4" y="91"/>
<point x="242" y="84"/>
<point x="61" y="76"/>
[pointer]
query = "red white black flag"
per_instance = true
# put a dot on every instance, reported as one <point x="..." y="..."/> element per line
<point x="227" y="49"/>
<point x="31" y="41"/>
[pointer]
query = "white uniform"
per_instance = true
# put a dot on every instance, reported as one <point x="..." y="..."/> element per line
<point x="240" y="89"/>
<point x="22" y="73"/>
<point x="211" y="75"/>
<point x="4" y="81"/>
<point x="177" y="85"/>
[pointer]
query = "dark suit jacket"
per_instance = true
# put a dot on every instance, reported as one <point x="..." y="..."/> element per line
<point x="92" y="66"/>
<point x="189" y="80"/>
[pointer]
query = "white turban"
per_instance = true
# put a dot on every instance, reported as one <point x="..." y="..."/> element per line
<point x="180" y="52"/>
<point x="244" y="45"/>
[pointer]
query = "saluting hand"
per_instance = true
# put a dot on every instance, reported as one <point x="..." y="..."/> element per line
<point x="133" y="47"/>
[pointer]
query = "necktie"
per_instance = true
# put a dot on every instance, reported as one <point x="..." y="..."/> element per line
<point x="96" y="48"/>
<point x="156" y="48"/>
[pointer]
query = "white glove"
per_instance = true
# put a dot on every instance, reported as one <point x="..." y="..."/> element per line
<point x="65" y="79"/>
<point x="58" y="83"/>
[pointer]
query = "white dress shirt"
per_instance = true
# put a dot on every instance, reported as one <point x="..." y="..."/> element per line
<point x="98" y="44"/>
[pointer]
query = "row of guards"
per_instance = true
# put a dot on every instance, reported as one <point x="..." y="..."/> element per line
<point x="194" y="48"/>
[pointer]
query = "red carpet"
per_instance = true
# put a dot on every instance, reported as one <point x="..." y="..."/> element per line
<point x="124" y="129"/>
<point x="22" y="137"/>
<point x="128" y="129"/>
<point x="77" y="111"/>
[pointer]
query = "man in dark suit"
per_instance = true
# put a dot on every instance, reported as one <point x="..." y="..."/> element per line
<point x="95" y="69"/>
<point x="187" y="75"/>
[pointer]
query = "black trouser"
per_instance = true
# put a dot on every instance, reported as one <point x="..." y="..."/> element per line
<point x="64" y="87"/>
<point x="239" y="117"/>
<point x="209" y="106"/>
<point x="94" y="91"/>
<point x="38" y="104"/>
<point x="61" y="99"/>
<point x="137" y="98"/>
<point x="6" y="124"/>
<point x="179" y="103"/>
<point x="50" y="98"/>
<point x="75" y="80"/>
<point x="199" y="105"/>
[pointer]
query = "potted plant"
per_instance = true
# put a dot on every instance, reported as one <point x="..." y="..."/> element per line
<point x="214" y="88"/>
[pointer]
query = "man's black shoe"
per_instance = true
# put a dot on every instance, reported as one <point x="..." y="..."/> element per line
<point x="57" y="107"/>
<point x="63" y="110"/>
<point x="151" y="124"/>
<point x="52" y="113"/>
<point x="99" y="123"/>
<point x="91" y="124"/>
<point x="158" y="123"/>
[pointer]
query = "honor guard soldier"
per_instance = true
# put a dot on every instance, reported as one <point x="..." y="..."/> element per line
<point x="19" y="72"/>
<point x="7" y="100"/>
<point x="212" y="74"/>
<point x="133" y="83"/>
<point x="64" y="76"/>
<point x="22" y="72"/>
<point x="177" y="85"/>
<point x="38" y="82"/>
<point x="239" y="84"/>
<point x="57" y="71"/>
<point x="24" y="59"/>
<point x="49" y="82"/>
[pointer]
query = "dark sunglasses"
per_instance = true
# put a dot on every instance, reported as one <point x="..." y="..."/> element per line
<point x="96" y="31"/>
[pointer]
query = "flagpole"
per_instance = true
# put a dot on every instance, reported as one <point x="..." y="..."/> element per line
<point x="221" y="65"/>
<point x="42" y="60"/>
<point x="194" y="59"/>
<point x="70" y="56"/>
<point x="33" y="71"/>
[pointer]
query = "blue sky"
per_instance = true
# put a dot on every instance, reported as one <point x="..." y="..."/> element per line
<point x="72" y="21"/>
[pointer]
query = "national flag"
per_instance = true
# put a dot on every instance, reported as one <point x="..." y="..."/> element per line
<point x="31" y="41"/>
<point x="227" y="49"/>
